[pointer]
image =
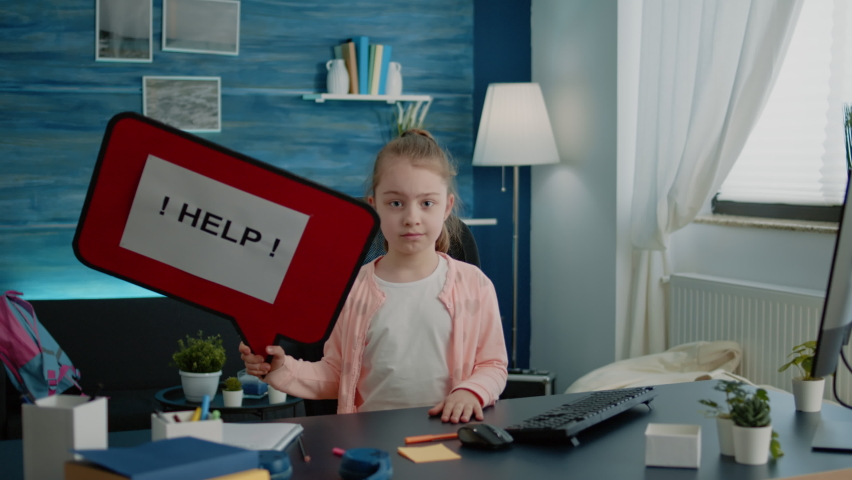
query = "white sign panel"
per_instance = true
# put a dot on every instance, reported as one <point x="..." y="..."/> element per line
<point x="212" y="230"/>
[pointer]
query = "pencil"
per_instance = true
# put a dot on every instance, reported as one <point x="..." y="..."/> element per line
<point x="431" y="438"/>
<point x="305" y="456"/>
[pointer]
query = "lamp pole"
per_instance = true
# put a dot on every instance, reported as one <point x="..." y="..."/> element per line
<point x="516" y="170"/>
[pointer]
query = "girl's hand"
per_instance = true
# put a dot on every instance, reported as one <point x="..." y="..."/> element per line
<point x="255" y="364"/>
<point x="458" y="407"/>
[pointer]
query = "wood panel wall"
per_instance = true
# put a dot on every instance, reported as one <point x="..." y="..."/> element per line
<point x="55" y="102"/>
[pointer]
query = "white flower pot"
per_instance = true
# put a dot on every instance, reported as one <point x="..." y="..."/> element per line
<point x="751" y="445"/>
<point x="232" y="398"/>
<point x="725" y="431"/>
<point x="276" y="396"/>
<point x="196" y="385"/>
<point x="808" y="394"/>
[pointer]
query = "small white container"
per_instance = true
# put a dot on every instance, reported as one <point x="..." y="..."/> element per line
<point x="337" y="80"/>
<point x="672" y="445"/>
<point x="725" y="430"/>
<point x="196" y="385"/>
<point x="56" y="425"/>
<point x="210" y="430"/>
<point x="276" y="396"/>
<point x="752" y="444"/>
<point x="232" y="398"/>
<point x="808" y="394"/>
<point x="393" y="84"/>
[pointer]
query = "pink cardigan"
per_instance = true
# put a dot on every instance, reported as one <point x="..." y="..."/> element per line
<point x="477" y="357"/>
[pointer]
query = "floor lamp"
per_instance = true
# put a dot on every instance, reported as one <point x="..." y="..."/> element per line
<point x="514" y="130"/>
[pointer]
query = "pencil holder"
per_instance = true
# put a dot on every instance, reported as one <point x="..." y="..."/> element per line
<point x="169" y="427"/>
<point x="56" y="425"/>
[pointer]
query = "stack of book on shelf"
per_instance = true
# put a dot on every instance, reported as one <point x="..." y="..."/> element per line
<point x="367" y="65"/>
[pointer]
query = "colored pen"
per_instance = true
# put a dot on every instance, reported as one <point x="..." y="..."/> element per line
<point x="215" y="415"/>
<point x="338" y="451"/>
<point x="177" y="419"/>
<point x="431" y="438"/>
<point x="196" y="416"/>
<point x="205" y="407"/>
<point x="305" y="456"/>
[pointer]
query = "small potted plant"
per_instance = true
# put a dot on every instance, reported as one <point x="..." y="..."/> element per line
<point x="807" y="390"/>
<point x="754" y="438"/>
<point x="232" y="393"/>
<point x="734" y="393"/>
<point x="199" y="361"/>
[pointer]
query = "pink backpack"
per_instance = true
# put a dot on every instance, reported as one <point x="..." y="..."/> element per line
<point x="34" y="361"/>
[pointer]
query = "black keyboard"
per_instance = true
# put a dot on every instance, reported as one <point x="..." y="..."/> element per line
<point x="566" y="421"/>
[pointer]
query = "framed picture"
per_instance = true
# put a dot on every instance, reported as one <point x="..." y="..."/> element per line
<point x="192" y="104"/>
<point x="123" y="30"/>
<point x="201" y="26"/>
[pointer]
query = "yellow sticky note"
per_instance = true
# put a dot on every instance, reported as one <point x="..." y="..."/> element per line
<point x="432" y="453"/>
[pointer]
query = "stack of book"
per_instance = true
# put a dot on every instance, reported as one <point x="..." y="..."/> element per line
<point x="367" y="65"/>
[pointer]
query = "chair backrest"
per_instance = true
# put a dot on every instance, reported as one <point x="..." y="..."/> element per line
<point x="462" y="248"/>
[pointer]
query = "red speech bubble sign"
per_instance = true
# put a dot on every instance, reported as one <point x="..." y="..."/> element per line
<point x="179" y="215"/>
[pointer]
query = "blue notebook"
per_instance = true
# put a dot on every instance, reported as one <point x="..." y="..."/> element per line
<point x="362" y="53"/>
<point x="184" y="458"/>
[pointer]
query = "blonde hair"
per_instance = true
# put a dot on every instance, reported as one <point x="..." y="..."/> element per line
<point x="420" y="149"/>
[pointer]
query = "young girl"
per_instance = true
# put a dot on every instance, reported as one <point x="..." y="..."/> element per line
<point x="418" y="328"/>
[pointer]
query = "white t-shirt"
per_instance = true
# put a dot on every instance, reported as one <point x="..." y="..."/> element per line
<point x="405" y="359"/>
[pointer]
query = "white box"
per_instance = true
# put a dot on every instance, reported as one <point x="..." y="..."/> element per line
<point x="210" y="430"/>
<point x="672" y="445"/>
<point x="55" y="426"/>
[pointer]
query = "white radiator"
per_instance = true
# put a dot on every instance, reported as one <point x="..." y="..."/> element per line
<point x="767" y="320"/>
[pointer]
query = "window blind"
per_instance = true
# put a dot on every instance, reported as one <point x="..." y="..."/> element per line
<point x="796" y="153"/>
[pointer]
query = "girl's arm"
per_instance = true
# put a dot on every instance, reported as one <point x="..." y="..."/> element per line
<point x="489" y="375"/>
<point x="311" y="380"/>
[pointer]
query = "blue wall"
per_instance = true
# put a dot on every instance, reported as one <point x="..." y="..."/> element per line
<point x="502" y="46"/>
<point x="56" y="100"/>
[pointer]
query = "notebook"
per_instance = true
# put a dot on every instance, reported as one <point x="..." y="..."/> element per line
<point x="260" y="436"/>
<point x="183" y="458"/>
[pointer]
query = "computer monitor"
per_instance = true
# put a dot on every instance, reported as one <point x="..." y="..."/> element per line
<point x="837" y="310"/>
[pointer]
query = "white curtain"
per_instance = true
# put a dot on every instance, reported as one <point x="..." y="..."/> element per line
<point x="706" y="68"/>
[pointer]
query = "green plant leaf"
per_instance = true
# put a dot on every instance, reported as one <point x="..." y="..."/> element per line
<point x="775" y="446"/>
<point x="200" y="355"/>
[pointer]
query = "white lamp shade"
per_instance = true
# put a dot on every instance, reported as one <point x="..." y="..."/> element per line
<point x="515" y="128"/>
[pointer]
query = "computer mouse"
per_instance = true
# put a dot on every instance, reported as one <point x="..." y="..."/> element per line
<point x="485" y="436"/>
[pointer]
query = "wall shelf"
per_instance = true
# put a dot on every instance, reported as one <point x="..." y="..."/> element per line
<point x="479" y="222"/>
<point x="391" y="99"/>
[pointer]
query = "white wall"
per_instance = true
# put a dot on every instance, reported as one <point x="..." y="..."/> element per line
<point x="794" y="259"/>
<point x="574" y="203"/>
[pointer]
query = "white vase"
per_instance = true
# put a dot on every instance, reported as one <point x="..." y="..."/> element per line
<point x="808" y="394"/>
<point x="232" y="398"/>
<point x="724" y="429"/>
<point x="196" y="385"/>
<point x="337" y="81"/>
<point x="393" y="84"/>
<point x="276" y="396"/>
<point x="751" y="444"/>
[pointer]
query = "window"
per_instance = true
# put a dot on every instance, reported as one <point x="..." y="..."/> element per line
<point x="794" y="162"/>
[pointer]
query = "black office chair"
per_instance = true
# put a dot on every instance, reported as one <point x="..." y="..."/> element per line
<point x="462" y="248"/>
